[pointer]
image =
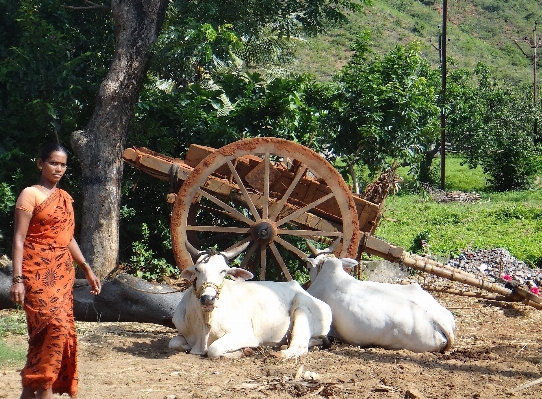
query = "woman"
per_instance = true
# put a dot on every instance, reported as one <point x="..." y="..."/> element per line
<point x="43" y="275"/>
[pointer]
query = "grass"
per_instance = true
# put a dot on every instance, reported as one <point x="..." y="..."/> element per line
<point x="12" y="322"/>
<point x="510" y="220"/>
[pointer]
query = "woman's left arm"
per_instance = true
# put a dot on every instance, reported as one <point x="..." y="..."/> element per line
<point x="77" y="255"/>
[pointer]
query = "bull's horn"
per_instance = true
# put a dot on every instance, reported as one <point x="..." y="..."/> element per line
<point x="311" y="247"/>
<point x="191" y="249"/>
<point x="232" y="253"/>
<point x="334" y="246"/>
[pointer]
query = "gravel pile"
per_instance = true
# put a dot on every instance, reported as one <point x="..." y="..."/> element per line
<point x="496" y="265"/>
<point x="493" y="265"/>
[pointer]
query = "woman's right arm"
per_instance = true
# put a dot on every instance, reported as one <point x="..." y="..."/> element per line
<point x="22" y="221"/>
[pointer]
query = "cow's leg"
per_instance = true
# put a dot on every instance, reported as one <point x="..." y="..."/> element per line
<point x="202" y="338"/>
<point x="230" y="343"/>
<point x="301" y="328"/>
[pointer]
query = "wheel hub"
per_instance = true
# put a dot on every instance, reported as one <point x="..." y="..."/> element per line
<point x="263" y="231"/>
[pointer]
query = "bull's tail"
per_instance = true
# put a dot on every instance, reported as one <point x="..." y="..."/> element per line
<point x="321" y="341"/>
<point x="448" y="334"/>
<point x="326" y="344"/>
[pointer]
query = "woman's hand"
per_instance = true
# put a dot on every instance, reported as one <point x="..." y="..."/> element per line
<point x="95" y="285"/>
<point x="16" y="293"/>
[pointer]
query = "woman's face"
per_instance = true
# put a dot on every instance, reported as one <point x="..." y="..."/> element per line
<point x="54" y="167"/>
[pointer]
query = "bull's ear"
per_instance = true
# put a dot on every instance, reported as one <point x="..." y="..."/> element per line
<point x="188" y="273"/>
<point x="239" y="274"/>
<point x="348" y="262"/>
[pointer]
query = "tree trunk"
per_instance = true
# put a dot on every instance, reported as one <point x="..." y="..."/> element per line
<point x="425" y="167"/>
<point x="100" y="146"/>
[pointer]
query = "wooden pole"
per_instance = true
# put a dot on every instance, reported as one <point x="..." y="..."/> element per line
<point x="443" y="98"/>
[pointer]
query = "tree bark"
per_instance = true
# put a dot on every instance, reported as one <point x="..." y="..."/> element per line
<point x="425" y="167"/>
<point x="100" y="146"/>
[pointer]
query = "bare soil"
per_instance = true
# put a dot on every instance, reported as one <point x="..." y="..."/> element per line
<point x="497" y="353"/>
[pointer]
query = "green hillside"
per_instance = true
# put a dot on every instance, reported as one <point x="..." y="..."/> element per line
<point x="477" y="31"/>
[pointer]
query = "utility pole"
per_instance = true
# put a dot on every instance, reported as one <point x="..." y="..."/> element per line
<point x="443" y="96"/>
<point x="534" y="43"/>
<point x="442" y="52"/>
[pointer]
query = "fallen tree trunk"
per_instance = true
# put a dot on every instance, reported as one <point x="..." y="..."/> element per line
<point x="124" y="298"/>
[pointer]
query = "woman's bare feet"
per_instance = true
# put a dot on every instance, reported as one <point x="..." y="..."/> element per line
<point x="28" y="393"/>
<point x="43" y="393"/>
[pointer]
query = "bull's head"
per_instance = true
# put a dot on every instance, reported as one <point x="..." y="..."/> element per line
<point x="319" y="257"/>
<point x="209" y="272"/>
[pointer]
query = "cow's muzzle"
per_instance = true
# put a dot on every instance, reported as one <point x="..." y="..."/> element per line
<point x="207" y="302"/>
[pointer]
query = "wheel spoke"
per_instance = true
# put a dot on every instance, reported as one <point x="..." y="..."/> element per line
<point x="280" y="261"/>
<point x="263" y="262"/>
<point x="300" y="254"/>
<point x="234" y="213"/>
<point x="278" y="207"/>
<point x="244" y="191"/>
<point x="300" y="211"/>
<point x="265" y="210"/>
<point x="219" y="229"/>
<point x="250" y="251"/>
<point x="303" y="233"/>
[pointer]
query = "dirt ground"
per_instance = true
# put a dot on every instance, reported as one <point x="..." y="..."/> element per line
<point x="497" y="354"/>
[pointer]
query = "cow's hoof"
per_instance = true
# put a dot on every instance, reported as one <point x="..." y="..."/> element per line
<point x="287" y="354"/>
<point x="179" y="344"/>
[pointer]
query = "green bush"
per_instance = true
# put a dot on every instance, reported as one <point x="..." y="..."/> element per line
<point x="145" y="264"/>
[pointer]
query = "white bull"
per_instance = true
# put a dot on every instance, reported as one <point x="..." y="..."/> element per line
<point x="390" y="316"/>
<point x="217" y="316"/>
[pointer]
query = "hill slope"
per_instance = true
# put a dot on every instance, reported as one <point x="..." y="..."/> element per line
<point x="477" y="31"/>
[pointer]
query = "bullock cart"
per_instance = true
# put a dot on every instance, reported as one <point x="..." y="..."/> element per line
<point x="276" y="194"/>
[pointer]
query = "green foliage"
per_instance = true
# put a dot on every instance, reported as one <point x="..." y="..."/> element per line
<point x="420" y="243"/>
<point x="386" y="107"/>
<point x="492" y="125"/>
<point x="195" y="36"/>
<point x="7" y="202"/>
<point x="145" y="264"/>
<point x="7" y="198"/>
<point x="52" y="61"/>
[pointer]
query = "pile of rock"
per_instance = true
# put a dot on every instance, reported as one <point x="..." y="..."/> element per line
<point x="493" y="265"/>
<point x="496" y="265"/>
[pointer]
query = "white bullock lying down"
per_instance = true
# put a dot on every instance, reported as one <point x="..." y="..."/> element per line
<point x="390" y="316"/>
<point x="218" y="316"/>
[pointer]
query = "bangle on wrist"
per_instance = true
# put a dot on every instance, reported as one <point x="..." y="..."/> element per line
<point x="85" y="264"/>
<point x="17" y="279"/>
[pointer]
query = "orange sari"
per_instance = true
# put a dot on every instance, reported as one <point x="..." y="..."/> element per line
<point x="48" y="278"/>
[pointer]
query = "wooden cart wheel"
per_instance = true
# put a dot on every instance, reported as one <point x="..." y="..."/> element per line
<point x="255" y="190"/>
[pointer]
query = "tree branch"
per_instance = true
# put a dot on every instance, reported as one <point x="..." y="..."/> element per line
<point x="90" y="6"/>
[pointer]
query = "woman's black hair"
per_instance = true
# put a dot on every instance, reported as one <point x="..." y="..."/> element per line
<point x="48" y="148"/>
